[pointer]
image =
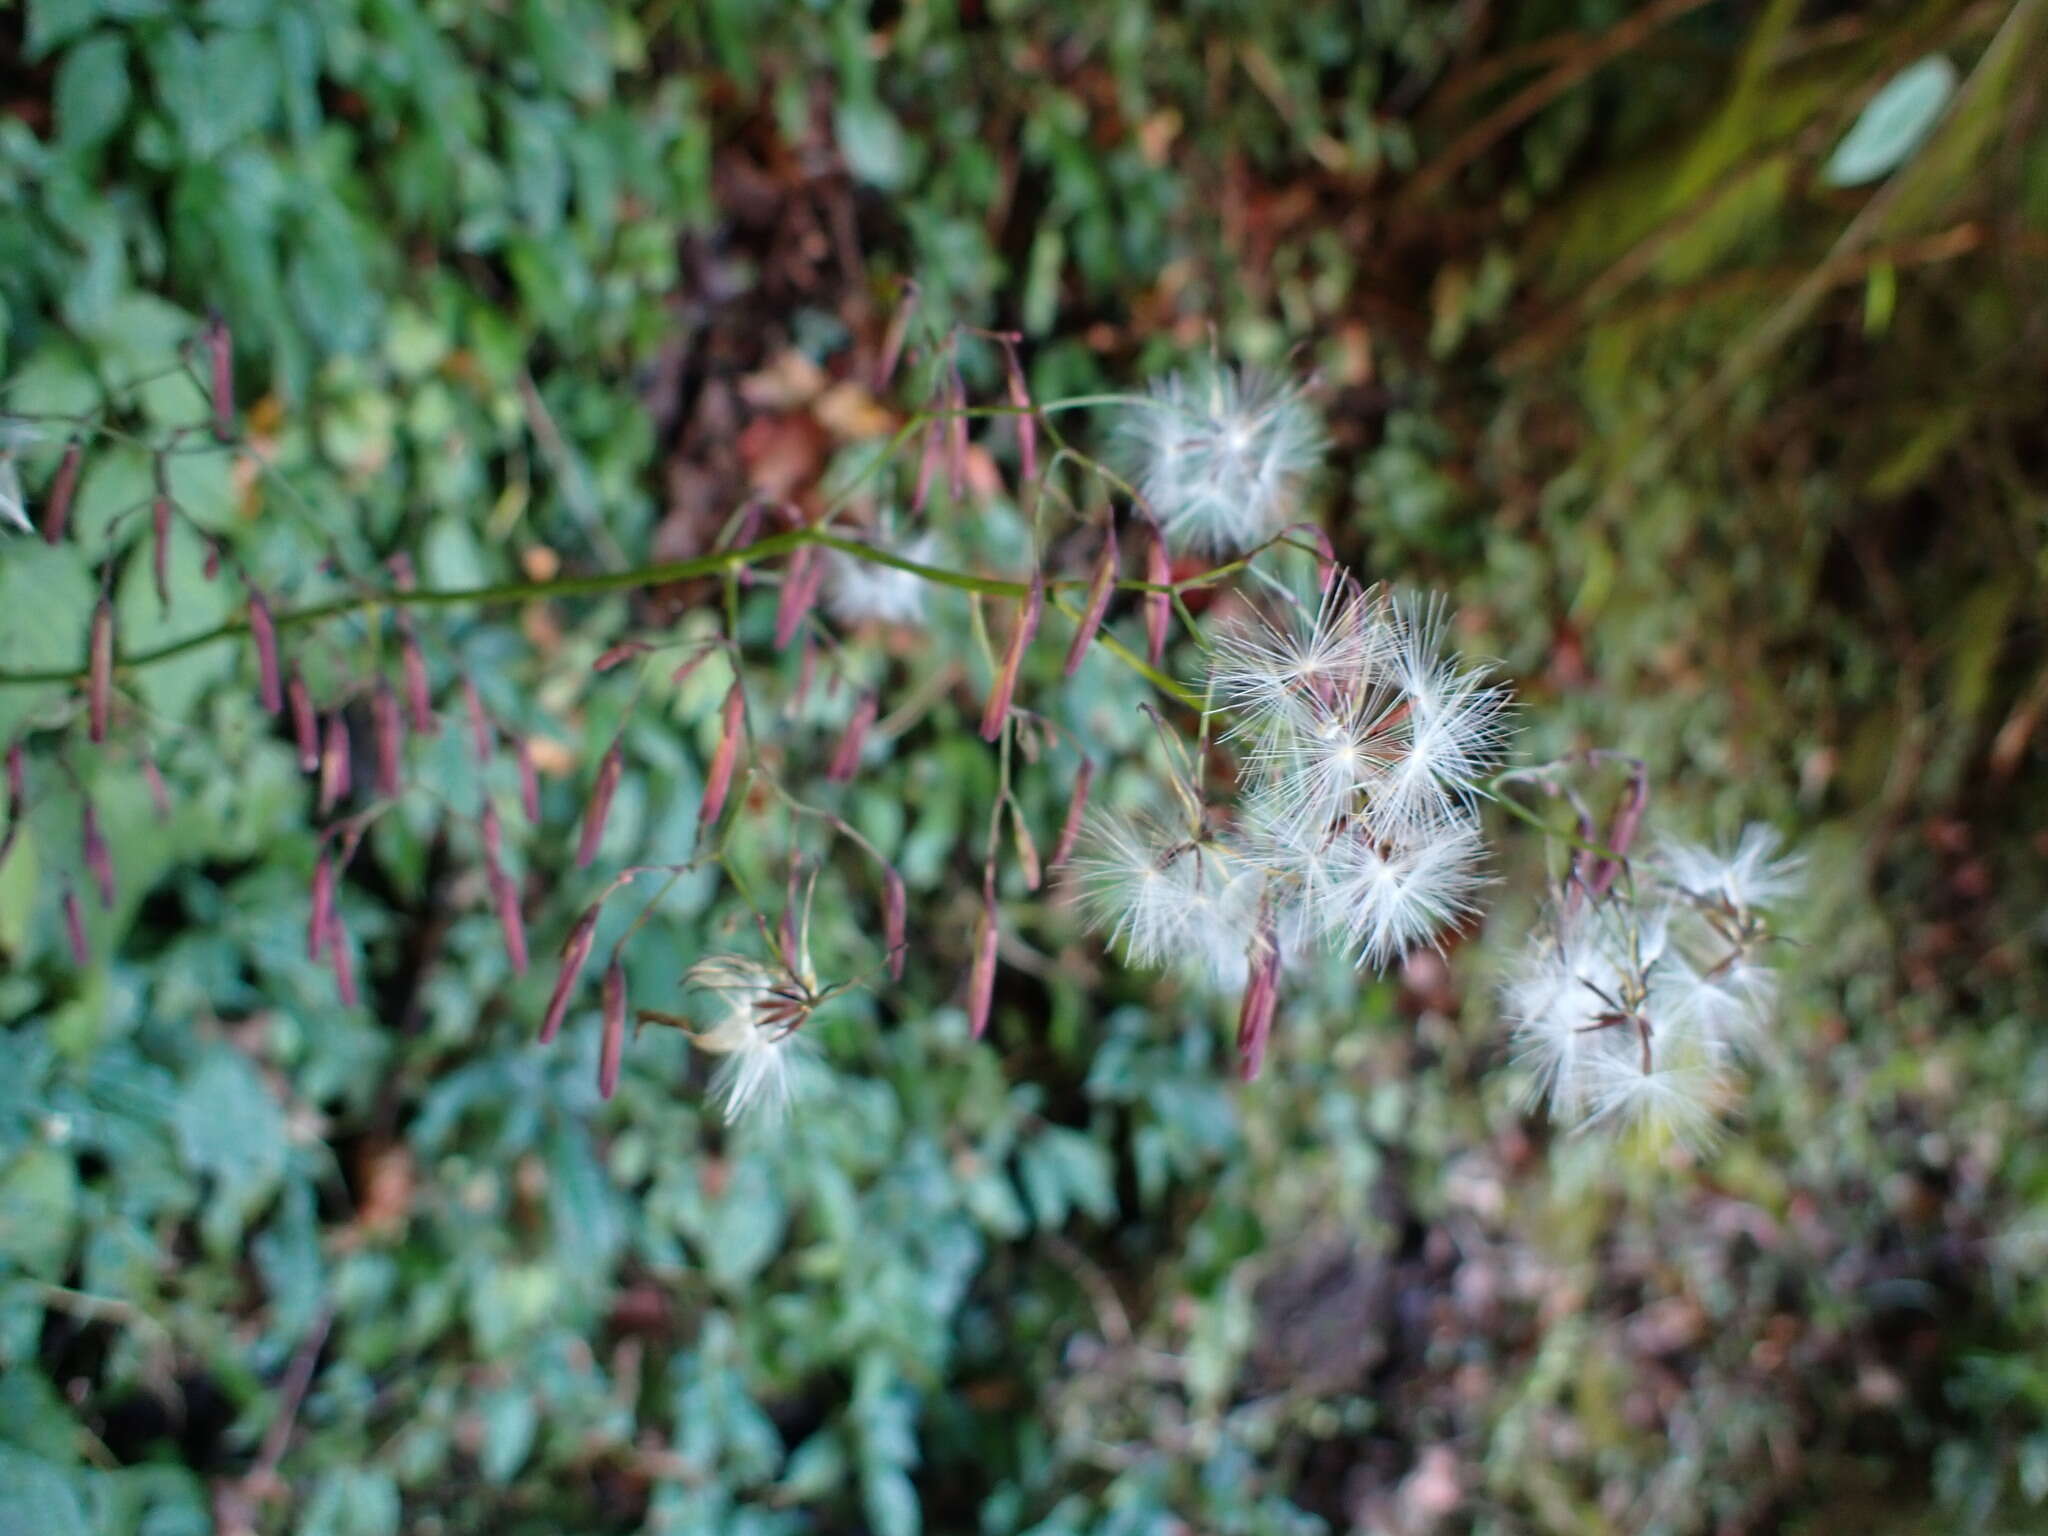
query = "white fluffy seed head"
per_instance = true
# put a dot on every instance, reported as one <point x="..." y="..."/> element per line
<point x="862" y="591"/>
<point x="1220" y="454"/>
<point x="1751" y="877"/>
<point x="1167" y="898"/>
<point x="753" y="1028"/>
<point x="14" y="436"/>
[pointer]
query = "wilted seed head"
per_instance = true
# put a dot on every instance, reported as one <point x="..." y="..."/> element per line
<point x="1220" y="454"/>
<point x="758" y="1013"/>
<point x="861" y="591"/>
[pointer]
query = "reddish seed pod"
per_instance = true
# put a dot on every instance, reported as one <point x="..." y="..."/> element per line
<point x="388" y="731"/>
<point x="718" y="781"/>
<point x="98" y="861"/>
<point x="57" y="505"/>
<point x="1027" y="848"/>
<point x="1077" y="812"/>
<point x="1158" y="605"/>
<point x="600" y="805"/>
<point x="927" y="462"/>
<point x="343" y="959"/>
<point x="480" y="733"/>
<point x="160" y="550"/>
<point x="493" y="835"/>
<point x="505" y="896"/>
<point x="981" y="977"/>
<point x="220" y="354"/>
<point x="846" y="760"/>
<point x="99" y="686"/>
<point x="74" y="930"/>
<point x="305" y="726"/>
<point x="334" y="763"/>
<point x="626" y="650"/>
<point x="895" y="921"/>
<point x="159" y="792"/>
<point x="1255" y="1017"/>
<point x="1027" y="419"/>
<point x="801" y="579"/>
<point x="1099" y="590"/>
<point x="575" y="954"/>
<point x="419" y="694"/>
<point x="998" y="710"/>
<point x="613" y="1045"/>
<point x="263" y="632"/>
<point x="319" y="918"/>
<point x="529" y="782"/>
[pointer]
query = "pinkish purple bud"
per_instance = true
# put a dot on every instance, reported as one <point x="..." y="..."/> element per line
<point x="98" y="861"/>
<point x="1077" y="812"/>
<point x="322" y="913"/>
<point x="342" y="957"/>
<point x="1158" y="605"/>
<point x="160" y="550"/>
<point x="419" y="694"/>
<point x="74" y="930"/>
<point x="801" y="579"/>
<point x="334" y="763"/>
<point x="1099" y="590"/>
<point x="718" y="781"/>
<point x="305" y="726"/>
<point x="263" y="632"/>
<point x="575" y="954"/>
<point x="625" y="650"/>
<point x="846" y="760"/>
<point x="493" y="835"/>
<point x="1027" y="849"/>
<point x="481" y="736"/>
<point x="613" y="1044"/>
<point x="529" y="782"/>
<point x="1255" y="1017"/>
<point x="505" y="896"/>
<point x="57" y="505"/>
<point x="159" y="792"/>
<point x="998" y="711"/>
<point x="895" y="921"/>
<point x="220" y="354"/>
<point x="99" y="685"/>
<point x="600" y="805"/>
<point x="388" y="732"/>
<point x="981" y="976"/>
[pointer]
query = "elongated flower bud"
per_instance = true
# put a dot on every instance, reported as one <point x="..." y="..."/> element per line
<point x="320" y="916"/>
<point x="600" y="805"/>
<point x="718" y="781"/>
<point x="305" y="724"/>
<point x="981" y="977"/>
<point x="334" y="763"/>
<point x="846" y="759"/>
<point x="612" y="1046"/>
<point x="160" y="550"/>
<point x="1158" y="605"/>
<point x="74" y="930"/>
<point x="1077" y="813"/>
<point x="575" y="954"/>
<point x="263" y="633"/>
<point x="419" y="694"/>
<point x="529" y="782"/>
<point x="99" y="684"/>
<point x="342" y="957"/>
<point x="159" y="791"/>
<point x="481" y="736"/>
<point x="98" y="861"/>
<point x="895" y="921"/>
<point x="388" y="732"/>
<point x="1027" y="848"/>
<point x="927" y="462"/>
<point x="1255" y="1016"/>
<point x="1099" y="590"/>
<point x="999" y="697"/>
<point x="57" y="505"/>
<point x="624" y="651"/>
<point x="505" y="897"/>
<point x="1027" y="420"/>
<point x="493" y="835"/>
<point x="220" y="356"/>
<point x="801" y="579"/>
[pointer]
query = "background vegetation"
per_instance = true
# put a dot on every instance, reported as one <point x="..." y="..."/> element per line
<point x="1729" y="445"/>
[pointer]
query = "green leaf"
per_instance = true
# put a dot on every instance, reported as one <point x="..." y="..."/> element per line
<point x="46" y="599"/>
<point x="38" y="1500"/>
<point x="230" y="1126"/>
<point x="1894" y="124"/>
<point x="38" y="1209"/>
<point x="511" y="1419"/>
<point x="873" y="143"/>
<point x="92" y="90"/>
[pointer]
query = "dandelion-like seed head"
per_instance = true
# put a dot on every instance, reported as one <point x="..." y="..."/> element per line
<point x="1752" y="877"/>
<point x="1167" y="898"/>
<point x="758" y="1014"/>
<point x="13" y="500"/>
<point x="1220" y="454"/>
<point x="864" y="591"/>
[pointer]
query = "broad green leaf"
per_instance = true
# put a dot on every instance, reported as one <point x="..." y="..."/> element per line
<point x="92" y="90"/>
<point x="1894" y="124"/>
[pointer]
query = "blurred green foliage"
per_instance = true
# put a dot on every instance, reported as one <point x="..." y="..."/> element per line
<point x="1737" y="466"/>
